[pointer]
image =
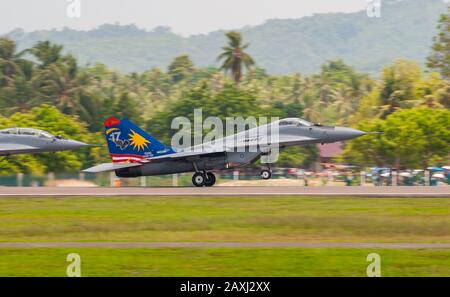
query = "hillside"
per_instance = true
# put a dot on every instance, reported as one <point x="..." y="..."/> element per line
<point x="404" y="30"/>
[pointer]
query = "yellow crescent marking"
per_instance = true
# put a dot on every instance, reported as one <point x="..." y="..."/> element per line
<point x="112" y="129"/>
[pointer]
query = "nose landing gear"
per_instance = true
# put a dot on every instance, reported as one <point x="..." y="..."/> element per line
<point x="200" y="179"/>
<point x="266" y="174"/>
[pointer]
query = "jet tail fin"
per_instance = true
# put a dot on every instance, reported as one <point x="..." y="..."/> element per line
<point x="128" y="143"/>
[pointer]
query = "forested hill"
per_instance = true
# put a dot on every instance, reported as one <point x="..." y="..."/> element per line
<point x="404" y="30"/>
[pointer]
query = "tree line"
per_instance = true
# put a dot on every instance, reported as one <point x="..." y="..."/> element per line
<point x="42" y="84"/>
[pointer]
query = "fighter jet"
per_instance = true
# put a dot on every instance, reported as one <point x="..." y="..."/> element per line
<point x="15" y="141"/>
<point x="136" y="153"/>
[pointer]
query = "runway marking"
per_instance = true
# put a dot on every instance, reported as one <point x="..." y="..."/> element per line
<point x="233" y="194"/>
<point x="27" y="245"/>
<point x="443" y="191"/>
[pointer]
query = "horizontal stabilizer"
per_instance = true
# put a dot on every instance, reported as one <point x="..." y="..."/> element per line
<point x="110" y="167"/>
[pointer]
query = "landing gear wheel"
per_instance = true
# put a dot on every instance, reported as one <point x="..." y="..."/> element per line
<point x="210" y="179"/>
<point x="266" y="174"/>
<point x="198" y="179"/>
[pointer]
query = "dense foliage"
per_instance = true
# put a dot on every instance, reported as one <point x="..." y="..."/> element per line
<point x="281" y="46"/>
<point x="440" y="57"/>
<point x="410" y="138"/>
<point x="45" y="88"/>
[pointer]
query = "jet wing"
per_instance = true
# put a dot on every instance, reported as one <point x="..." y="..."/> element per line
<point x="110" y="167"/>
<point x="13" y="148"/>
<point x="114" y="166"/>
<point x="263" y="147"/>
<point x="181" y="155"/>
<point x="274" y="143"/>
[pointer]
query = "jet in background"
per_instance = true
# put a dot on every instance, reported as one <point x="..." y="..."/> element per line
<point x="135" y="153"/>
<point x="15" y="141"/>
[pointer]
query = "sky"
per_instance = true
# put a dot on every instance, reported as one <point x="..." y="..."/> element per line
<point x="185" y="17"/>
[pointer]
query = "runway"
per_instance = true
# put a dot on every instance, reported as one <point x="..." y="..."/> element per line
<point x="25" y="245"/>
<point x="442" y="191"/>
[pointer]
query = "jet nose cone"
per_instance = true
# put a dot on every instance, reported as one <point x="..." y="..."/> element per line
<point x="349" y="133"/>
<point x="356" y="133"/>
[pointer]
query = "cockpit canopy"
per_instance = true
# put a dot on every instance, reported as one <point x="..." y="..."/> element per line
<point x="27" y="132"/>
<point x="294" y="122"/>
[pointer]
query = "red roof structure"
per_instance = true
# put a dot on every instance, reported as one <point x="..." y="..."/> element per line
<point x="330" y="150"/>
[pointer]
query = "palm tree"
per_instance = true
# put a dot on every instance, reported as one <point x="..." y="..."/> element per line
<point x="235" y="57"/>
<point x="393" y="103"/>
<point x="342" y="102"/>
<point x="297" y="87"/>
<point x="61" y="85"/>
<point x="312" y="112"/>
<point x="8" y="60"/>
<point x="22" y="91"/>
<point x="46" y="52"/>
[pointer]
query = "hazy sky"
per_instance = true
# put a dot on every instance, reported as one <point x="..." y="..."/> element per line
<point x="183" y="16"/>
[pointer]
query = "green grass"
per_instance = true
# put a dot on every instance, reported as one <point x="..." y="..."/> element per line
<point x="249" y="219"/>
<point x="223" y="262"/>
<point x="261" y="219"/>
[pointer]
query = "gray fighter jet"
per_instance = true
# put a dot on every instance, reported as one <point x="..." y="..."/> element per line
<point x="15" y="141"/>
<point x="135" y="153"/>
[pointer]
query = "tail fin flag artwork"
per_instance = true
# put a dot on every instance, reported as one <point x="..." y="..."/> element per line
<point x="127" y="143"/>
<point x="136" y="153"/>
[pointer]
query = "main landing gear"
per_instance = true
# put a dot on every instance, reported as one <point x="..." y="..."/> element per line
<point x="203" y="179"/>
<point x="266" y="174"/>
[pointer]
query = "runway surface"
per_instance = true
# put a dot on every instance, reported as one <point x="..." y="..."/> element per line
<point x="17" y="245"/>
<point x="442" y="191"/>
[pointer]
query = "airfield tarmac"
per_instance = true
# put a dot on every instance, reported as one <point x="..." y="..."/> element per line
<point x="441" y="191"/>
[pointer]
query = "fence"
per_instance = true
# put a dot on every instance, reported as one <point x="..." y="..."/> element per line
<point x="280" y="177"/>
